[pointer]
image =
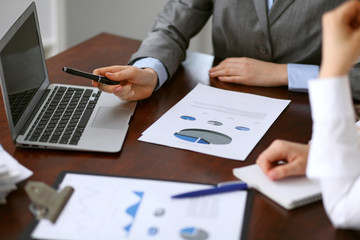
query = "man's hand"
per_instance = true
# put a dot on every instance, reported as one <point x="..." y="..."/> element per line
<point x="292" y="157"/>
<point x="251" y="72"/>
<point x="134" y="83"/>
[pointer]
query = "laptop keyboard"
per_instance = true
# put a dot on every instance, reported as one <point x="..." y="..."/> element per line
<point x="64" y="116"/>
<point x="19" y="102"/>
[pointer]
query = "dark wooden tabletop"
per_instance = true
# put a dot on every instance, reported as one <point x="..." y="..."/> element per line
<point x="145" y="160"/>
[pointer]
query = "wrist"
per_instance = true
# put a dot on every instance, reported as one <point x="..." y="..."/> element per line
<point x="283" y="71"/>
<point x="331" y="71"/>
<point x="154" y="80"/>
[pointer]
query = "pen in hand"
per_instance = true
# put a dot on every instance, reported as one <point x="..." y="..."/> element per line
<point x="218" y="189"/>
<point x="97" y="78"/>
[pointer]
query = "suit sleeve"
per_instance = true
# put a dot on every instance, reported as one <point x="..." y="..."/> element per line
<point x="355" y="81"/>
<point x="174" y="27"/>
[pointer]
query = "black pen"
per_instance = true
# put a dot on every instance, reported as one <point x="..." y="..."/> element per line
<point x="97" y="78"/>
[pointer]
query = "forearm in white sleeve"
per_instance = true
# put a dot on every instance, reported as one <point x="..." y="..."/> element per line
<point x="341" y="200"/>
<point x="334" y="156"/>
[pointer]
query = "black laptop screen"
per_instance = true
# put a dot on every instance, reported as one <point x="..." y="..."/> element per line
<point x="22" y="65"/>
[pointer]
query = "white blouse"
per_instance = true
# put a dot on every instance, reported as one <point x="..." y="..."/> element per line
<point x="334" y="156"/>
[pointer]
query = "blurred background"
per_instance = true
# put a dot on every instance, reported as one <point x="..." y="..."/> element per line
<point x="65" y="23"/>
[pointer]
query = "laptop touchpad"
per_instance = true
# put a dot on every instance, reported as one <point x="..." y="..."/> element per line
<point x="111" y="118"/>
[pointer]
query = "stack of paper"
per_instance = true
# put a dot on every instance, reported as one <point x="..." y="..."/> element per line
<point x="11" y="172"/>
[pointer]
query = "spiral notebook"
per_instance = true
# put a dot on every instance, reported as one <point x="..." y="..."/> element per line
<point x="290" y="193"/>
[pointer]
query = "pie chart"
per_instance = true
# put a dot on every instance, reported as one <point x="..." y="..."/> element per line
<point x="203" y="136"/>
<point x="193" y="233"/>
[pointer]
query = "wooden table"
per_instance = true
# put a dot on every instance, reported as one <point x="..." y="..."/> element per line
<point x="145" y="160"/>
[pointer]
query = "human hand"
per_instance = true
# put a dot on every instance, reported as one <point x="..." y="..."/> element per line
<point x="341" y="39"/>
<point x="294" y="155"/>
<point x="134" y="83"/>
<point x="251" y="72"/>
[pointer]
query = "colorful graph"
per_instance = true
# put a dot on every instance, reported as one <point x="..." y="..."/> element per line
<point x="215" y="123"/>
<point x="241" y="128"/>
<point x="203" y="136"/>
<point x="190" y="118"/>
<point x="132" y="210"/>
<point x="192" y="233"/>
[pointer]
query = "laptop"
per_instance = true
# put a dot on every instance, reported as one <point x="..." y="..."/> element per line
<point x="54" y="116"/>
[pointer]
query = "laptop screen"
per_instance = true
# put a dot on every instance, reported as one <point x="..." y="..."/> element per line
<point x="22" y="66"/>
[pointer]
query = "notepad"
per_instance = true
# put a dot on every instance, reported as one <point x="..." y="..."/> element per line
<point x="290" y="193"/>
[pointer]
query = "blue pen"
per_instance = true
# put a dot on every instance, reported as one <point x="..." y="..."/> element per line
<point x="218" y="189"/>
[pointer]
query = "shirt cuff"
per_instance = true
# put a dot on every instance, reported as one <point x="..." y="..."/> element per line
<point x="158" y="67"/>
<point x="299" y="75"/>
<point x="324" y="104"/>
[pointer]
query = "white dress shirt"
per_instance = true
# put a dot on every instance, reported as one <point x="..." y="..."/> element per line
<point x="334" y="156"/>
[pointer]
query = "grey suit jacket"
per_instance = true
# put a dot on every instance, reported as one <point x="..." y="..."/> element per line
<point x="289" y="33"/>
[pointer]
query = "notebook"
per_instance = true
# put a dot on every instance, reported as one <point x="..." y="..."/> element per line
<point x="55" y="116"/>
<point x="291" y="192"/>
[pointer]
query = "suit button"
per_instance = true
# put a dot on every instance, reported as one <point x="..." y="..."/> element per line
<point x="263" y="50"/>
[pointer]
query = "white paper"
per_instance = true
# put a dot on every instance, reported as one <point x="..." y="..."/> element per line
<point x="232" y="122"/>
<point x="104" y="207"/>
<point x="11" y="172"/>
<point x="16" y="171"/>
<point x="289" y="192"/>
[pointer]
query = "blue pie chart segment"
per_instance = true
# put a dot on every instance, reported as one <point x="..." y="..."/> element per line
<point x="191" y="139"/>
